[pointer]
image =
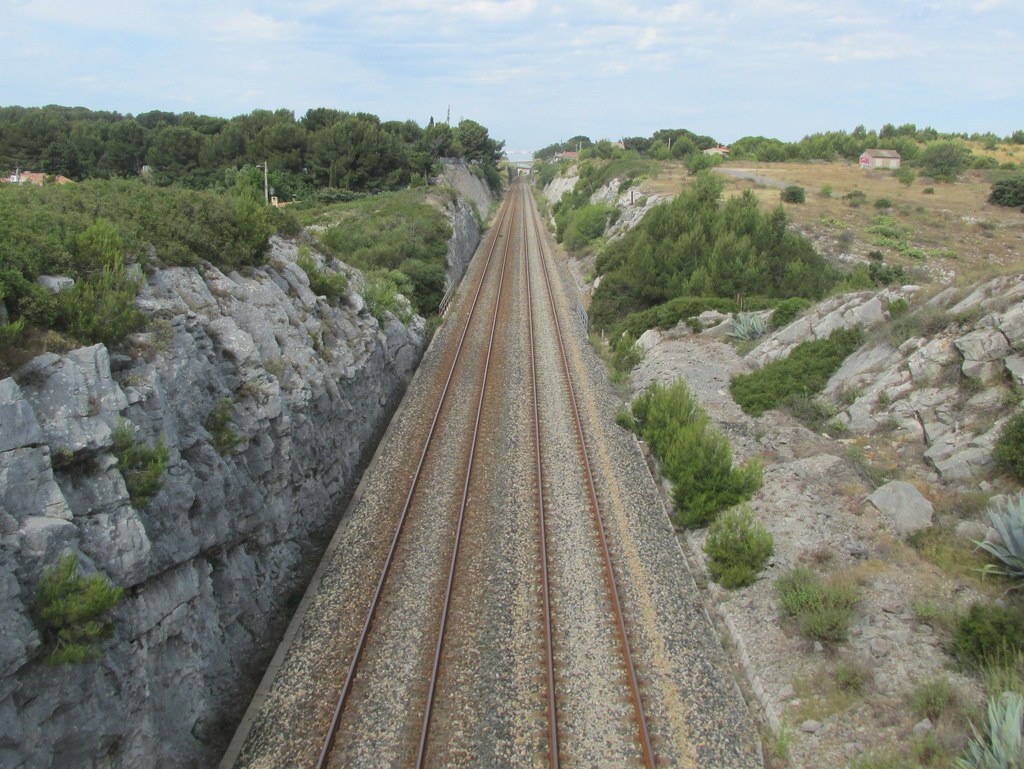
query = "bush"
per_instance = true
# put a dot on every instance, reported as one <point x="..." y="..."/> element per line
<point x="883" y="203"/>
<point x="1008" y="192"/>
<point x="626" y="354"/>
<point x="218" y="424"/>
<point x="738" y="547"/>
<point x="787" y="310"/>
<point x="793" y="194"/>
<point x="804" y="372"/>
<point x="822" y="610"/>
<point x="1009" y="448"/>
<point x="928" y="191"/>
<point x="825" y="191"/>
<point x="331" y="285"/>
<point x="932" y="698"/>
<point x="987" y="634"/>
<point x="671" y="312"/>
<point x="945" y="160"/>
<point x="141" y="467"/>
<point x="692" y="454"/>
<point x="856" y="198"/>
<point x="71" y="611"/>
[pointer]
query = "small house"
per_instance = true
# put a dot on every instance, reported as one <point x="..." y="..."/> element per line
<point x="872" y="159"/>
<point x="722" y="152"/>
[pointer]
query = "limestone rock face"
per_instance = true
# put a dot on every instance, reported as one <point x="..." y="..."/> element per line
<point x="210" y="563"/>
<point x="905" y="506"/>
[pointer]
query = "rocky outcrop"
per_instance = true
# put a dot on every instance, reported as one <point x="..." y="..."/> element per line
<point x="212" y="561"/>
<point x="633" y="204"/>
<point x="466" y="214"/>
<point x="948" y="390"/>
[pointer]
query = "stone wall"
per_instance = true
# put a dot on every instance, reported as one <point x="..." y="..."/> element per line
<point x="212" y="564"/>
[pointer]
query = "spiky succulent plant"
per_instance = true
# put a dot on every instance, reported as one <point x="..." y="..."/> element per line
<point x="748" y="325"/>
<point x="1007" y="519"/>
<point x="1001" y="746"/>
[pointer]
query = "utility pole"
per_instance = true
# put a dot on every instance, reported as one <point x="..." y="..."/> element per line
<point x="266" y="186"/>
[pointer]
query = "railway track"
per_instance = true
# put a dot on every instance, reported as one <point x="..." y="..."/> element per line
<point x="490" y="591"/>
<point x="511" y="243"/>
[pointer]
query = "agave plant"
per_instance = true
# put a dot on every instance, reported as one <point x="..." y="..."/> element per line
<point x="1008" y="520"/>
<point x="1002" y="744"/>
<point x="748" y="325"/>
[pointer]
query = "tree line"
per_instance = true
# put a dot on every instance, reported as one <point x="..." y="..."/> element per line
<point x="325" y="148"/>
<point x="682" y="144"/>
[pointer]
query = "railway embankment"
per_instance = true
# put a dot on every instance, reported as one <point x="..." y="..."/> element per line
<point x="268" y="399"/>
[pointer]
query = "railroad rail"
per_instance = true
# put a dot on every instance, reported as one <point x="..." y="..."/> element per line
<point x="613" y="588"/>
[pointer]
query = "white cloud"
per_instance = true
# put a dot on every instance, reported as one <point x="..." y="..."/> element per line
<point x="246" y="26"/>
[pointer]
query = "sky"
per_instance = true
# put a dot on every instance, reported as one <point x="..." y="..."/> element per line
<point x="535" y="72"/>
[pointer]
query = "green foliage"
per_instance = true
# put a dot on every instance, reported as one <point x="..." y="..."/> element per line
<point x="987" y="634"/>
<point x="1000" y="744"/>
<point x="855" y="199"/>
<point x="694" y="456"/>
<point x="218" y="424"/>
<point x="825" y="191"/>
<point x="381" y="295"/>
<point x="932" y="698"/>
<point x="1008" y="520"/>
<point x="748" y="326"/>
<point x="626" y="354"/>
<point x="332" y="285"/>
<point x="1009" y="448"/>
<point x="945" y="160"/>
<point x="71" y="611"/>
<point x="794" y="193"/>
<point x="905" y="175"/>
<point x="738" y="547"/>
<point x="141" y="467"/>
<point x="883" y="203"/>
<point x="671" y="312"/>
<point x="822" y="610"/>
<point x="1008" y="192"/>
<point x="787" y="310"/>
<point x="586" y="224"/>
<point x="804" y="372"/>
<point x="698" y="246"/>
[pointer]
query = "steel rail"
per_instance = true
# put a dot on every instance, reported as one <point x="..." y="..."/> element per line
<point x="613" y="589"/>
<point x="328" y="743"/>
<point x="421" y="754"/>
<point x="553" y="754"/>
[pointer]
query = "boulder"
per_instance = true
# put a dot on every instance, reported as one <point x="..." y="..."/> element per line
<point x="1015" y="368"/>
<point x="983" y="345"/>
<point x="926" y="363"/>
<point x="904" y="505"/>
<point x="1011" y="324"/>
<point x="20" y="426"/>
<point x="55" y="283"/>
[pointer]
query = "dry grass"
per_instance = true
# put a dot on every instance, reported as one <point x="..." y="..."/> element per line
<point x="953" y="234"/>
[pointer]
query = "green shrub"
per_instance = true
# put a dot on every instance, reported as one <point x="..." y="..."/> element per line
<point x="101" y="308"/>
<point x="428" y="280"/>
<point x="218" y="424"/>
<point x="787" y="310"/>
<point x="1008" y="520"/>
<point x="587" y="224"/>
<point x="625" y="355"/>
<point x="671" y="312"/>
<point x="856" y="198"/>
<point x="1008" y="192"/>
<point x="141" y="467"/>
<point x="986" y="634"/>
<point x="825" y="191"/>
<point x="822" y="610"/>
<point x="381" y="295"/>
<point x="930" y="699"/>
<point x="793" y="194"/>
<point x="852" y="677"/>
<point x="693" y="455"/>
<point x="72" y="612"/>
<point x="928" y="191"/>
<point x="738" y="547"/>
<point x="884" y="203"/>
<point x="804" y="372"/>
<point x="1000" y="744"/>
<point x="1009" y="448"/>
<point x="906" y="175"/>
<point x="331" y="285"/>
